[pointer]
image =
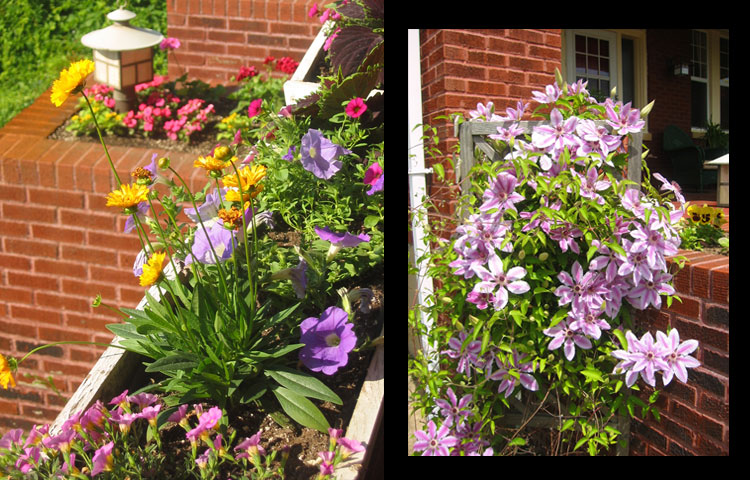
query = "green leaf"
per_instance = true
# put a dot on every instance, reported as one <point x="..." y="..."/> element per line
<point x="371" y="221"/>
<point x="302" y="384"/>
<point x="593" y="374"/>
<point x="621" y="337"/>
<point x="567" y="424"/>
<point x="301" y="409"/>
<point x="179" y="361"/>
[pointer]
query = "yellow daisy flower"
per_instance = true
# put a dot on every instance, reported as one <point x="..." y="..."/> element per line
<point x="213" y="166"/>
<point x="71" y="81"/>
<point x="6" y="375"/>
<point x="128" y="197"/>
<point x="249" y="178"/>
<point x="152" y="269"/>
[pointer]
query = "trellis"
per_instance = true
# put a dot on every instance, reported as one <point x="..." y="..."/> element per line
<point x="471" y="137"/>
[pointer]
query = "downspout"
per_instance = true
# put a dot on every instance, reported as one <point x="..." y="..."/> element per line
<point x="417" y="186"/>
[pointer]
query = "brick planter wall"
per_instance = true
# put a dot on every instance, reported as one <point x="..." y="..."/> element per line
<point x="60" y="246"/>
<point x="220" y="36"/>
<point x="694" y="416"/>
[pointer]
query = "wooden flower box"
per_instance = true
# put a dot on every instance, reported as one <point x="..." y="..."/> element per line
<point x="118" y="369"/>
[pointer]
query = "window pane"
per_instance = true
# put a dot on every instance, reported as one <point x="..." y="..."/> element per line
<point x="628" y="71"/>
<point x="593" y="46"/>
<point x="699" y="110"/>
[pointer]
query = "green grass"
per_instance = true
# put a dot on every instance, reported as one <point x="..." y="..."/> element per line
<point x="38" y="38"/>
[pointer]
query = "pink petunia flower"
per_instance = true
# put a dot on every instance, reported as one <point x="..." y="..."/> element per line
<point x="356" y="107"/>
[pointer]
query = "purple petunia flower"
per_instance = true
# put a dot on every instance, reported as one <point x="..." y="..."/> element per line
<point x="328" y="341"/>
<point x="339" y="240"/>
<point x="320" y="155"/>
<point x="434" y="442"/>
<point x="563" y="334"/>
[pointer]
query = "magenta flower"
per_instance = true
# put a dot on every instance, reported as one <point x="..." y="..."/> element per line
<point x="563" y="334"/>
<point x="498" y="282"/>
<point x="508" y="380"/>
<point x="454" y="410"/>
<point x="356" y="107"/>
<point x="557" y="135"/>
<point x="247" y="72"/>
<point x="501" y="194"/>
<point x="254" y="108"/>
<point x="250" y="447"/>
<point x="597" y="138"/>
<point x="581" y="290"/>
<point x="627" y="121"/>
<point x="169" y="43"/>
<point x="676" y="355"/>
<point x="206" y="422"/>
<point x="320" y="155"/>
<point x="674" y="187"/>
<point x="635" y="263"/>
<point x="649" y="291"/>
<point x="590" y="184"/>
<point x="650" y="240"/>
<point x="550" y="95"/>
<point x="588" y="322"/>
<point x="434" y="442"/>
<point x="328" y="341"/>
<point x="465" y="358"/>
<point x="102" y="459"/>
<point x="643" y="356"/>
<point x="374" y="177"/>
<point x="565" y="236"/>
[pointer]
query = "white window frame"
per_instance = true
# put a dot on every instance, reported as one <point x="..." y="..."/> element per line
<point x="640" y="93"/>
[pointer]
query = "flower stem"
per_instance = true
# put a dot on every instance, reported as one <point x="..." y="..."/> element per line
<point x="99" y="132"/>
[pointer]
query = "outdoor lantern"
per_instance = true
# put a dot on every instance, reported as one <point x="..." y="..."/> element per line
<point x="123" y="55"/>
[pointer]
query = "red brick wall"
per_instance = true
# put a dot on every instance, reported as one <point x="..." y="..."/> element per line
<point x="60" y="246"/>
<point x="463" y="67"/>
<point x="694" y="416"/>
<point x="220" y="36"/>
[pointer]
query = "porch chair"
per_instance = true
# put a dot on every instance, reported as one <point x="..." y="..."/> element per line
<point x="687" y="158"/>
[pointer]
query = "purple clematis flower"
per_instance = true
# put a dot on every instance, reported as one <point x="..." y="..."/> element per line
<point x="435" y="442"/>
<point x="508" y="380"/>
<point x="496" y="281"/>
<point x="581" y="290"/>
<point x="320" y="155"/>
<point x="674" y="187"/>
<point x="643" y="356"/>
<point x="676" y="355"/>
<point x="597" y="138"/>
<point x="465" y="358"/>
<point x="627" y="121"/>
<point x="454" y="410"/>
<point x="590" y="184"/>
<point x="563" y="334"/>
<point x="649" y="291"/>
<point x="557" y="135"/>
<point x="588" y="322"/>
<point x="650" y="241"/>
<point x="501" y="194"/>
<point x="328" y="341"/>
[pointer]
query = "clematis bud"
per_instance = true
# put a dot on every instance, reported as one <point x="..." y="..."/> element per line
<point x="543" y="256"/>
<point x="647" y="109"/>
<point x="163" y="163"/>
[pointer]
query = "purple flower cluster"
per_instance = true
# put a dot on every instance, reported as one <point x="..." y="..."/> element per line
<point x="456" y="432"/>
<point x="510" y="373"/>
<point x="629" y="264"/>
<point x="646" y="357"/>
